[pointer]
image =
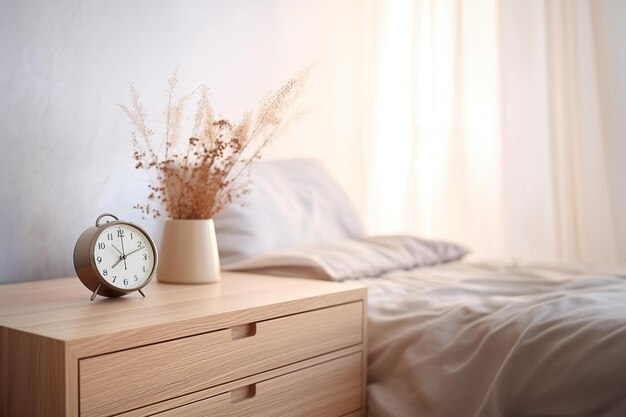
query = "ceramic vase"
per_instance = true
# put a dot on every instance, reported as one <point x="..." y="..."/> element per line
<point x="188" y="252"/>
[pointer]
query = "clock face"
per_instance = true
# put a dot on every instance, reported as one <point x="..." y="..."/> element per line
<point x="124" y="256"/>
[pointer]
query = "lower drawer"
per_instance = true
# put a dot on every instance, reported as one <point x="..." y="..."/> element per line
<point x="329" y="389"/>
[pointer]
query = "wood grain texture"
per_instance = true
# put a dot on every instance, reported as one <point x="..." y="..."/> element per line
<point x="329" y="389"/>
<point x="33" y="375"/>
<point x="358" y="413"/>
<point x="4" y="372"/>
<point x="198" y="362"/>
<point x="364" y="346"/>
<point x="233" y="385"/>
<point x="60" y="309"/>
<point x="48" y="328"/>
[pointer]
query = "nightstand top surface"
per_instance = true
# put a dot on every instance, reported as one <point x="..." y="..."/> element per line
<point x="60" y="309"/>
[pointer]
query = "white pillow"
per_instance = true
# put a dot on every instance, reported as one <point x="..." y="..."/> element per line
<point x="291" y="203"/>
<point x="353" y="259"/>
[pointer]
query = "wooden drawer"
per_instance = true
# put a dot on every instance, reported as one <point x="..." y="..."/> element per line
<point x="134" y="378"/>
<point x="329" y="389"/>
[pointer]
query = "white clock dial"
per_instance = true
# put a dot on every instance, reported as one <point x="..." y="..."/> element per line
<point x="124" y="256"/>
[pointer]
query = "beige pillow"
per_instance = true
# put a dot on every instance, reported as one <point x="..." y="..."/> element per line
<point x="291" y="203"/>
<point x="353" y="259"/>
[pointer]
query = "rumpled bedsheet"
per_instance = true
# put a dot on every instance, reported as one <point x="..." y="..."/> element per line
<point x="489" y="340"/>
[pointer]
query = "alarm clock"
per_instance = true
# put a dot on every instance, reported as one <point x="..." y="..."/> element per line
<point x="115" y="258"/>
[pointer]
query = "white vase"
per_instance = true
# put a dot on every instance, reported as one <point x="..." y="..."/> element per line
<point x="188" y="253"/>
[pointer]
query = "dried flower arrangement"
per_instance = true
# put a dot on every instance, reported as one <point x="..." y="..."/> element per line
<point x="211" y="171"/>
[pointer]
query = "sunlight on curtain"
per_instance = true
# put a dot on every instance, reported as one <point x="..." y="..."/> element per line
<point x="586" y="223"/>
<point x="436" y="145"/>
<point x="392" y="113"/>
<point x="487" y="128"/>
<point x="558" y="201"/>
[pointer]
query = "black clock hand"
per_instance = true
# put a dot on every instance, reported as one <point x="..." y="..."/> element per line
<point x="121" y="256"/>
<point x="123" y="251"/>
<point x="119" y="251"/>
<point x="136" y="250"/>
<point x="118" y="261"/>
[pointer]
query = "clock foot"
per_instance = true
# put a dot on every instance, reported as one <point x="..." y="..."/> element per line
<point x="141" y="292"/>
<point x="93" y="296"/>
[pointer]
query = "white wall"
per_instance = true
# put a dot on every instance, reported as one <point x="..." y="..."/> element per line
<point x="65" y="65"/>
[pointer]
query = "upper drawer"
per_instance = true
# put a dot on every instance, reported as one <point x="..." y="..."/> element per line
<point x="137" y="377"/>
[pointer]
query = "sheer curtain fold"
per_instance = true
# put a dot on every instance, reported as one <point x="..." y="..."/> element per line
<point x="487" y="128"/>
<point x="585" y="218"/>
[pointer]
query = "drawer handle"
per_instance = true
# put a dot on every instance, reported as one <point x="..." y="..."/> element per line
<point x="245" y="330"/>
<point x="243" y="393"/>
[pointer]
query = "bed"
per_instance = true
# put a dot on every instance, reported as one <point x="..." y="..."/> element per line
<point x="446" y="337"/>
<point x="463" y="339"/>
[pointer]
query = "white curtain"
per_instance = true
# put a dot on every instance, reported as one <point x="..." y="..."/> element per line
<point x="487" y="128"/>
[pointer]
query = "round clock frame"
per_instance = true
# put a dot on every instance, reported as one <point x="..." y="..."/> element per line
<point x="85" y="263"/>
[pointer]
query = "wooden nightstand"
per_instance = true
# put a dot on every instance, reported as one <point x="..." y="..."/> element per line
<point x="251" y="345"/>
